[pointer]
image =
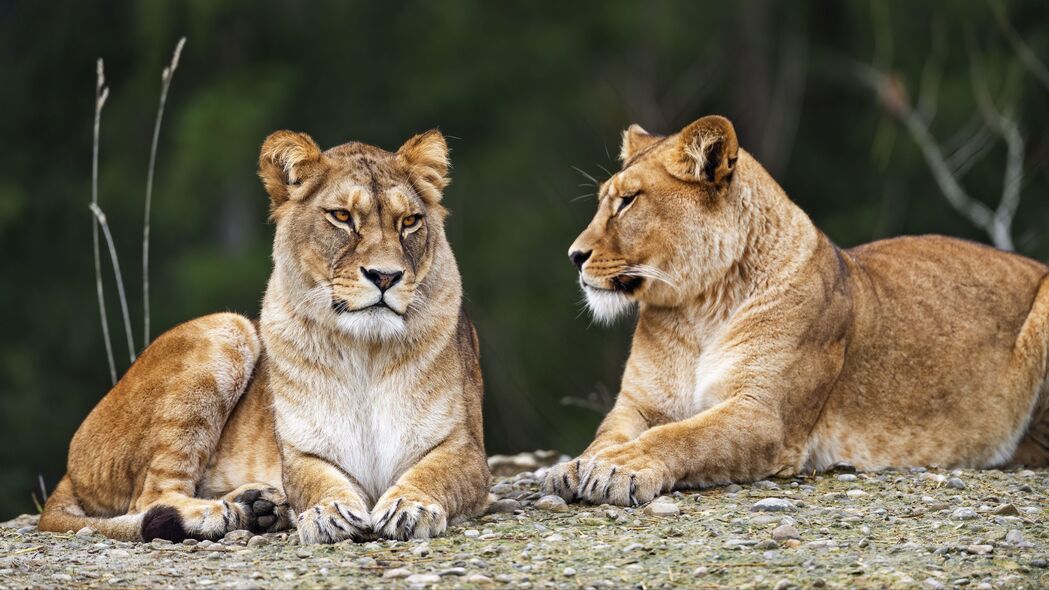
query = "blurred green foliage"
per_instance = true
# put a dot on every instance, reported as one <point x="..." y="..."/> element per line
<point x="526" y="91"/>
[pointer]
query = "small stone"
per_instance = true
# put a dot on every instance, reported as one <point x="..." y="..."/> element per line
<point x="933" y="584"/>
<point x="956" y="483"/>
<point x="555" y="538"/>
<point x="86" y="532"/>
<point x="422" y="550"/>
<point x="552" y="503"/>
<point x="1005" y="510"/>
<point x="502" y="489"/>
<point x="1040" y="563"/>
<point x="963" y="514"/>
<point x="782" y="584"/>
<point x="700" y="571"/>
<point x="26" y="529"/>
<point x="980" y="549"/>
<point x="1014" y="537"/>
<point x="733" y="489"/>
<point x="472" y="533"/>
<point x="855" y="493"/>
<point x="767" y="545"/>
<point x="503" y="506"/>
<point x="397" y="573"/>
<point x="453" y="571"/>
<point x="569" y="572"/>
<point x="847" y="477"/>
<point x="765" y="485"/>
<point x="773" y="505"/>
<point x="422" y="580"/>
<point x="475" y="579"/>
<point x="62" y="577"/>
<point x="961" y="582"/>
<point x="118" y="554"/>
<point x="632" y="547"/>
<point x="819" y="583"/>
<point x="302" y="553"/>
<point x="238" y="536"/>
<point x="258" y="541"/>
<point x="785" y="531"/>
<point x="663" y="509"/>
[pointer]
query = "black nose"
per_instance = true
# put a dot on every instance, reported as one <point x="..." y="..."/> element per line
<point x="578" y="257"/>
<point x="382" y="279"/>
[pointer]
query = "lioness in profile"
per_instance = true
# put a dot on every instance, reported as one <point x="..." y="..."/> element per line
<point x="354" y="402"/>
<point x="763" y="349"/>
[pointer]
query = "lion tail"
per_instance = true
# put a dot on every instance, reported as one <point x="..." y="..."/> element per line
<point x="63" y="513"/>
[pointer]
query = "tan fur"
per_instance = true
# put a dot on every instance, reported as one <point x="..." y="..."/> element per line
<point x="761" y="348"/>
<point x="222" y="424"/>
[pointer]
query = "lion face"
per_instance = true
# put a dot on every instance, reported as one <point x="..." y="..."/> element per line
<point x="667" y="223"/>
<point x="357" y="228"/>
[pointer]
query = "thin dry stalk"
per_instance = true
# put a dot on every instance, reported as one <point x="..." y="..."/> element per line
<point x="101" y="218"/>
<point x="101" y="93"/>
<point x="165" y="84"/>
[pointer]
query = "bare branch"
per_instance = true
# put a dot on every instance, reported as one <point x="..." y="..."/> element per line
<point x="101" y="218"/>
<point x="165" y="84"/>
<point x="892" y="96"/>
<point x="101" y="93"/>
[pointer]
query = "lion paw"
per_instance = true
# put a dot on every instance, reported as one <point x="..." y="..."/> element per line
<point x="563" y="480"/>
<point x="333" y="521"/>
<point x="623" y="475"/>
<point x="265" y="509"/>
<point x="404" y="516"/>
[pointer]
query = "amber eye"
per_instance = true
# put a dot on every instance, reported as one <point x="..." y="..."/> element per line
<point x="340" y="215"/>
<point x="410" y="221"/>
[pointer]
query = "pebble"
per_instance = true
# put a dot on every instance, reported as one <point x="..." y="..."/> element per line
<point x="1041" y="563"/>
<point x="503" y="506"/>
<point x="453" y="571"/>
<point x="1014" y="537"/>
<point x="980" y="549"/>
<point x="396" y="573"/>
<point x="26" y="529"/>
<point x="422" y="550"/>
<point x="569" y="572"/>
<point x="956" y="483"/>
<point x="502" y="489"/>
<point x="476" y="579"/>
<point x="86" y="532"/>
<point x="782" y="584"/>
<point x="258" y="541"/>
<point x="785" y="531"/>
<point x="422" y="580"/>
<point x="701" y="571"/>
<point x="1006" y="510"/>
<point x="767" y="545"/>
<point x="733" y="489"/>
<point x="847" y="477"/>
<point x="963" y="514"/>
<point x="552" y="503"/>
<point x="632" y="547"/>
<point x="472" y="533"/>
<point x="773" y="505"/>
<point x="302" y="553"/>
<point x="856" y="493"/>
<point x="664" y="509"/>
<point x="933" y="584"/>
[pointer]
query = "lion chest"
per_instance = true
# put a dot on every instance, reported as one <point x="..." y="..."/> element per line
<point x="374" y="427"/>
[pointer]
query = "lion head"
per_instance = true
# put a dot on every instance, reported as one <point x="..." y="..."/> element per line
<point x="358" y="228"/>
<point x="668" y="223"/>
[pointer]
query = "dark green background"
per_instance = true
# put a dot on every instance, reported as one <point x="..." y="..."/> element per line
<point x="526" y="89"/>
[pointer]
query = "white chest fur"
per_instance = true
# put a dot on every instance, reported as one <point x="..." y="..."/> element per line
<point x="371" y="423"/>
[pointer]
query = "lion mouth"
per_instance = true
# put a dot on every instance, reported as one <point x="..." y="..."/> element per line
<point x="340" y="306"/>
<point x="625" y="284"/>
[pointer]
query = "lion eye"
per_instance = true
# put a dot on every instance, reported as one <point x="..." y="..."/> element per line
<point x="624" y="202"/>
<point x="340" y="215"/>
<point x="410" y="221"/>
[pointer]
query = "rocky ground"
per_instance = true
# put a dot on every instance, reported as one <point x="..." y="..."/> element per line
<point x="896" y="529"/>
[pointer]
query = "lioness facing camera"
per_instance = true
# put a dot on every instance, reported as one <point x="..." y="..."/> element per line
<point x="354" y="402"/>
<point x="763" y="349"/>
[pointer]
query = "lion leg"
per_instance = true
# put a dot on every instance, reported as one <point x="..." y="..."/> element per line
<point x="692" y="452"/>
<point x="1031" y="355"/>
<point x="144" y="448"/>
<point x="331" y="506"/>
<point x="450" y="481"/>
<point x="622" y="424"/>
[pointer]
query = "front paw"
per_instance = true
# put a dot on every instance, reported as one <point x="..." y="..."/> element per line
<point x="403" y="514"/>
<point x="624" y="475"/>
<point x="563" y="480"/>
<point x="332" y="521"/>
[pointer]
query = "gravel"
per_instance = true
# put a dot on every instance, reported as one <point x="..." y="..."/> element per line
<point x="911" y="529"/>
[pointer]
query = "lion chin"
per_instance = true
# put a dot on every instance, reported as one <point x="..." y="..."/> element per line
<point x="607" y="305"/>
<point x="374" y="324"/>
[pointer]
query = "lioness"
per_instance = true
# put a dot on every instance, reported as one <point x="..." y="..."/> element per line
<point x="357" y="394"/>
<point x="763" y="349"/>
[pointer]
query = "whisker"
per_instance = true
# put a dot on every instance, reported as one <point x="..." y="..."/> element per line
<point x="588" y="176"/>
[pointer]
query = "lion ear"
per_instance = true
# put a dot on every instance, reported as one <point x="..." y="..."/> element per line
<point x="706" y="151"/>
<point x="425" y="156"/>
<point x="635" y="139"/>
<point x="286" y="159"/>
